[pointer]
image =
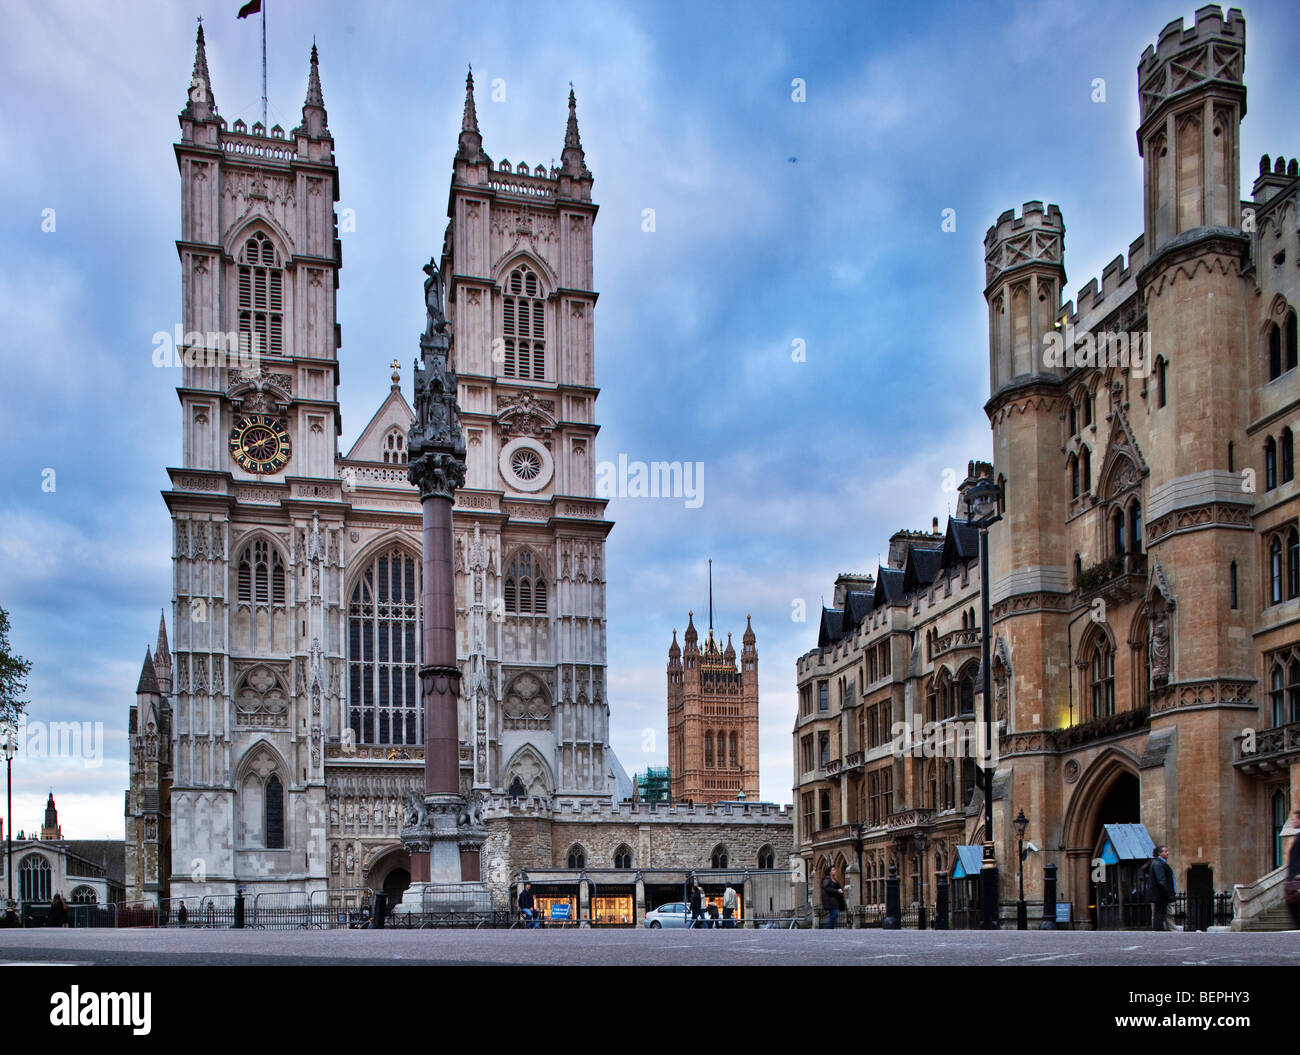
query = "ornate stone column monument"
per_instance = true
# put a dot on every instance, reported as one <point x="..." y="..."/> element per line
<point x="443" y="838"/>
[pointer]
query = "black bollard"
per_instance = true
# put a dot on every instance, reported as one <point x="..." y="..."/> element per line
<point x="893" y="904"/>
<point x="941" y="901"/>
<point x="1049" y="898"/>
<point x="239" y="910"/>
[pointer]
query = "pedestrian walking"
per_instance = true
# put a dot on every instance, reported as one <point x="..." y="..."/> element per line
<point x="832" y="898"/>
<point x="711" y="908"/>
<point x="1162" y="886"/>
<point x="526" y="906"/>
<point x="697" y="907"/>
<point x="182" y="914"/>
<point x="58" y="914"/>
<point x="11" y="918"/>
<point x="1291" y="888"/>
<point x="729" y="900"/>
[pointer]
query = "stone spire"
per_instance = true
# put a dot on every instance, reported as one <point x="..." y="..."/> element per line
<point x="749" y="638"/>
<point x="573" y="161"/>
<point x="202" y="104"/>
<point x="692" y="635"/>
<point x="315" y="122"/>
<point x="470" y="147"/>
<point x="162" y="658"/>
<point x="148" y="678"/>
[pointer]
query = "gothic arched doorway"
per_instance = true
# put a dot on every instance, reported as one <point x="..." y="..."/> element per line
<point x="391" y="873"/>
<point x="395" y="884"/>
<point x="1108" y="793"/>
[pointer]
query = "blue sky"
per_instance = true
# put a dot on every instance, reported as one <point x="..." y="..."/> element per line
<point x="685" y="109"/>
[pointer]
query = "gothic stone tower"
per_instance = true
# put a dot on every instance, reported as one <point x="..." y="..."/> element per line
<point x="530" y="550"/>
<point x="713" y="718"/>
<point x="255" y="504"/>
<point x="148" y="799"/>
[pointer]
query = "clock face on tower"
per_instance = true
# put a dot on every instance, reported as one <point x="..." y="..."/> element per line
<point x="260" y="444"/>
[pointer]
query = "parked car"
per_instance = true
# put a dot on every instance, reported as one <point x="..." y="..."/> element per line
<point x="672" y="915"/>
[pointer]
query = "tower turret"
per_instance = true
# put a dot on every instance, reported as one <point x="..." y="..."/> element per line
<point x="1024" y="275"/>
<point x="575" y="177"/>
<point x="674" y="653"/>
<point x="162" y="658"/>
<point x="202" y="104"/>
<point x="691" y="637"/>
<point x="1191" y="101"/>
<point x="315" y="122"/>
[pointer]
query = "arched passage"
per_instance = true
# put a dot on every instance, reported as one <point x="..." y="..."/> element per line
<point x="1109" y="793"/>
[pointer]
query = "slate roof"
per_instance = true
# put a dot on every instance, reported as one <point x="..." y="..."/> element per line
<point x="857" y="606"/>
<point x="831" y="629"/>
<point x="961" y="542"/>
<point x="922" y="567"/>
<point x="111" y="853"/>
<point x="889" y="587"/>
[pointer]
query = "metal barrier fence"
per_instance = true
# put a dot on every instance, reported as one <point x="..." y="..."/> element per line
<point x="349" y="907"/>
<point x="281" y="911"/>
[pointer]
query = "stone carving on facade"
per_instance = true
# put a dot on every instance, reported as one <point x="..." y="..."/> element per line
<point x="1160" y="605"/>
<point x="524" y="415"/>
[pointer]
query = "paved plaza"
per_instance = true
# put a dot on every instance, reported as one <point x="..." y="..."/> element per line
<point x="646" y="947"/>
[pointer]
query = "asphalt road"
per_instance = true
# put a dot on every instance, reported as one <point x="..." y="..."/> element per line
<point x="644" y="947"/>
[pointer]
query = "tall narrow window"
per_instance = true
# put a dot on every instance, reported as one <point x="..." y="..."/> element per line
<point x="1117" y="532"/>
<point x="1162" y="381"/>
<point x="1135" y="527"/>
<point x="261" y="298"/>
<point x="1274" y="352"/>
<point x="708" y="750"/>
<point x="1087" y="409"/>
<point x="274" y="814"/>
<point x="1232" y="467"/>
<point x="260" y="574"/>
<point x="1102" y="669"/>
<point x="1277" y="695"/>
<point x="524" y="325"/>
<point x="1232" y="584"/>
<point x="1292" y="564"/>
<point x="1275" y="570"/>
<point x="1074" y="419"/>
<point x="1293" y="691"/>
<point x="1287" y="445"/>
<point x="1270" y="464"/>
<point x="525" y="586"/>
<point x="383" y="652"/>
<point x="1086" y="469"/>
<point x="1291" y="341"/>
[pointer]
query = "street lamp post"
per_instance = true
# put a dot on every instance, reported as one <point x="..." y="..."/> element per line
<point x="921" y="843"/>
<point x="10" y="748"/>
<point x="858" y="830"/>
<point x="1022" y="913"/>
<point x="983" y="499"/>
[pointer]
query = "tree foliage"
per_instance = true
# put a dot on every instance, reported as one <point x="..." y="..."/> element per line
<point x="13" y="677"/>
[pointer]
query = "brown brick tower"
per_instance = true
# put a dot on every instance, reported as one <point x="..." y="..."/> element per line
<point x="713" y="718"/>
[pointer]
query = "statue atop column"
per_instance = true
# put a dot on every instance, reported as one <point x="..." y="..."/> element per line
<point x="436" y="444"/>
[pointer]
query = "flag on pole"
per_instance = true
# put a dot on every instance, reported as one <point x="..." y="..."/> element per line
<point x="250" y="8"/>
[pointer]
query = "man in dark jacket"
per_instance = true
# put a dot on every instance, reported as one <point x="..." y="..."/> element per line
<point x="1161" y="884"/>
<point x="526" y="905"/>
<point x="697" y="907"/>
<point x="10" y="918"/>
<point x="832" y="898"/>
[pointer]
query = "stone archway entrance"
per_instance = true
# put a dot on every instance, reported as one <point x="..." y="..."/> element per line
<point x="1110" y="793"/>
<point x="391" y="873"/>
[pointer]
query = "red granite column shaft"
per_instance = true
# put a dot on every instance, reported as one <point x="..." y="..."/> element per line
<point x="440" y="676"/>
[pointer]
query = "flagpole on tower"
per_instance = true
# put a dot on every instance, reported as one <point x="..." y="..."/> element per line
<point x="264" y="124"/>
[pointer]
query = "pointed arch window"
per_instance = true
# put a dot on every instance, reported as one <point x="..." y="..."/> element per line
<point x="1275" y="570"/>
<point x="525" y="586"/>
<point x="766" y="858"/>
<point x="261" y="298"/>
<point x="1074" y="476"/>
<point x="260" y="574"/>
<point x="719" y="856"/>
<point x="623" y="857"/>
<point x="1117" y="532"/>
<point x="1101" y="677"/>
<point x="1270" y="464"/>
<point x="395" y="447"/>
<point x="1287" y="451"/>
<point x="523" y="325"/>
<point x="34" y="878"/>
<point x="708" y="750"/>
<point x="1291" y="340"/>
<point x="1085" y="470"/>
<point x="1135" y="527"/>
<point x="383" y="652"/>
<point x="577" y="857"/>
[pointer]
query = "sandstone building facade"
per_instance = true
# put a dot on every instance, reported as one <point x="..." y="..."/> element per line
<point x="1145" y="576"/>
<point x="275" y="739"/>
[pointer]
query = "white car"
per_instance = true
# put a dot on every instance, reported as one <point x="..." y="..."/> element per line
<point x="671" y="915"/>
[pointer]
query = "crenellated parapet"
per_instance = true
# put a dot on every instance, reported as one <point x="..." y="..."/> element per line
<point x="1182" y="61"/>
<point x="1037" y="236"/>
